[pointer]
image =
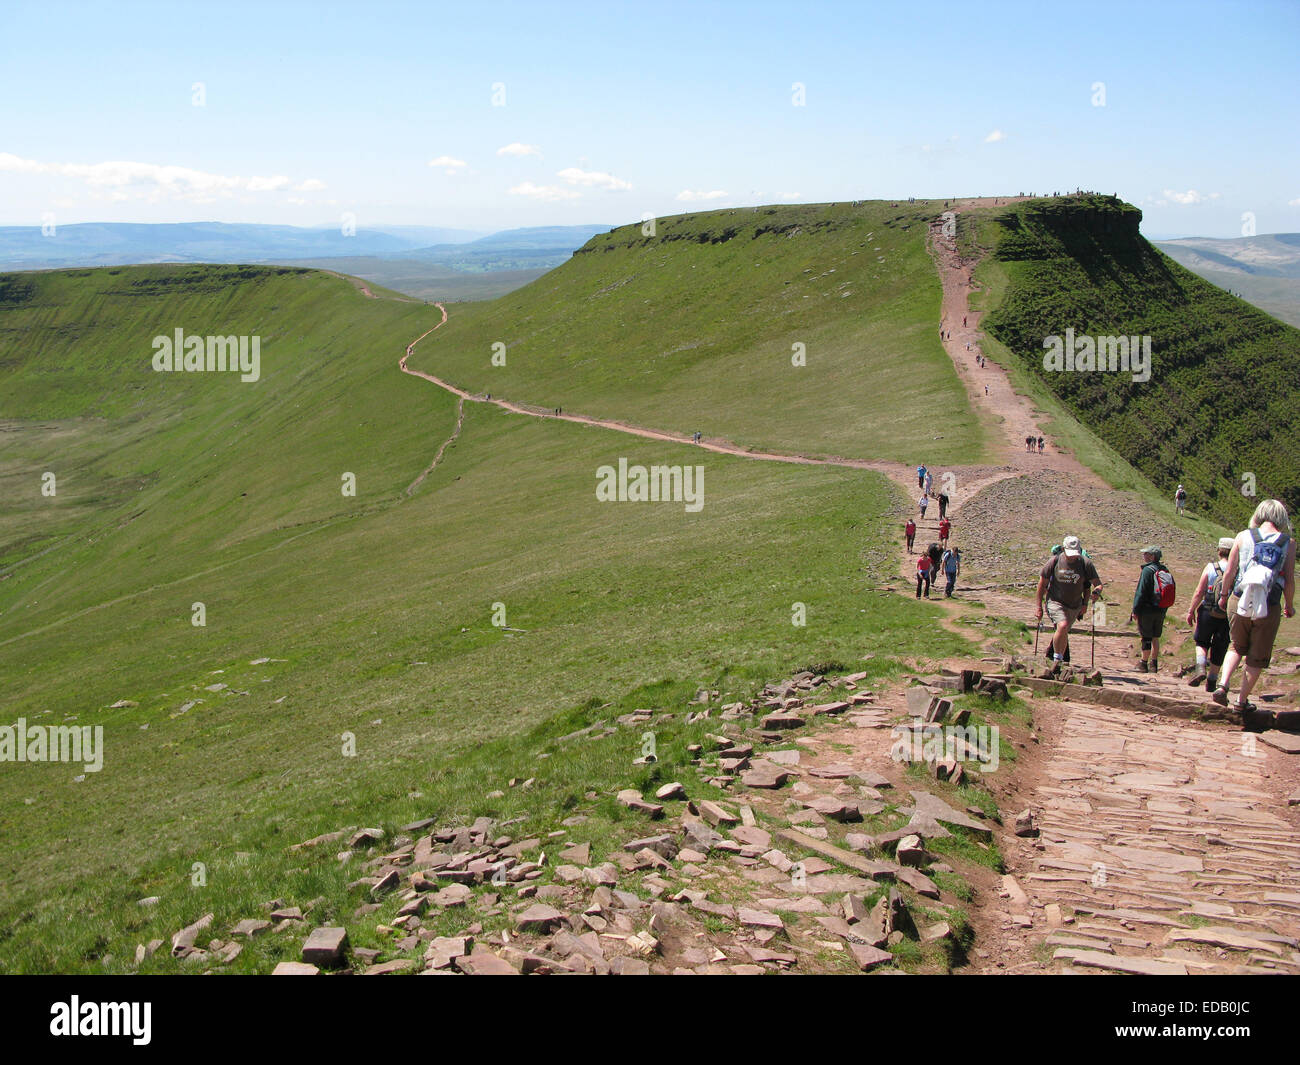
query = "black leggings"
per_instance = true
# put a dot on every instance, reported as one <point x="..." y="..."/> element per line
<point x="1212" y="633"/>
<point x="922" y="577"/>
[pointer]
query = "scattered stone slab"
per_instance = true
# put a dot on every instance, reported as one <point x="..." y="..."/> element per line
<point x="1096" y="959"/>
<point x="326" y="947"/>
<point x="295" y="968"/>
<point x="1218" y="936"/>
<point x="752" y="918"/>
<point x="631" y="798"/>
<point x="868" y="957"/>
<point x="484" y="963"/>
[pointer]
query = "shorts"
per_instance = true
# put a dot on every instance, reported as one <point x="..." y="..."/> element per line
<point x="1212" y="633"/>
<point x="1151" y="623"/>
<point x="1059" y="612"/>
<point x="1252" y="639"/>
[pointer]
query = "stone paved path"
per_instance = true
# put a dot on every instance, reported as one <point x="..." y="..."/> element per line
<point x="1157" y="835"/>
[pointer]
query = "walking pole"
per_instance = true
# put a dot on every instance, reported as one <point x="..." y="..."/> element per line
<point x="1092" y="617"/>
<point x="1037" y="631"/>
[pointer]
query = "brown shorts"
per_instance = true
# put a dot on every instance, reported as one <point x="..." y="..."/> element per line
<point x="1059" y="612"/>
<point x="1252" y="639"/>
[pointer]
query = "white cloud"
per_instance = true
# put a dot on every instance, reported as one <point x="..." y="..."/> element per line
<point x="449" y="165"/>
<point x="995" y="136"/>
<point x="592" y="179"/>
<point x="123" y="180"/>
<point x="519" y="149"/>
<point x="544" y="192"/>
<point x="1190" y="198"/>
<point x="310" y="185"/>
<point x="690" y="196"/>
<point x="1293" y="203"/>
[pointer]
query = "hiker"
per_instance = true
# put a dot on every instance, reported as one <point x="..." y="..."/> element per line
<point x="1066" y="582"/>
<point x="1041" y="442"/>
<point x="1180" y="499"/>
<point x="929" y="482"/>
<point x="909" y="532"/>
<point x="923" y="575"/>
<point x="951" y="570"/>
<point x="986" y="390"/>
<point x="924" y="502"/>
<point x="920" y="476"/>
<point x="1050" y="650"/>
<point x="1029" y="443"/>
<point x="963" y="321"/>
<point x="1260" y="574"/>
<point x="945" y="526"/>
<point x="943" y="505"/>
<point x="1152" y="598"/>
<point x="1210" y="620"/>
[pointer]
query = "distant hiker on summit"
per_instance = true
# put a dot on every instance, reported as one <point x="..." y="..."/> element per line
<point x="1260" y="574"/>
<point x="1066" y="582"/>
<point x="1152" y="598"/>
<point x="1211" y="621"/>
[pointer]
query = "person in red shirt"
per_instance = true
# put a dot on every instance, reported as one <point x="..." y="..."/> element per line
<point x="923" y="574"/>
<point x="944" y="527"/>
<point x="909" y="531"/>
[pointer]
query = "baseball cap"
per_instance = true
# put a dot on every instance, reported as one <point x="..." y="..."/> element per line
<point x="1153" y="550"/>
<point x="1225" y="543"/>
<point x="1071" y="547"/>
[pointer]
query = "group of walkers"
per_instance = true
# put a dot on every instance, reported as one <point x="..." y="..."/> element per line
<point x="1235" y="612"/>
<point x="940" y="557"/>
<point x="1033" y="442"/>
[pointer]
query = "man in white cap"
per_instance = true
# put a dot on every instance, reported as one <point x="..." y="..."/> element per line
<point x="1210" y="620"/>
<point x="1066" y="582"/>
<point x="1180" y="499"/>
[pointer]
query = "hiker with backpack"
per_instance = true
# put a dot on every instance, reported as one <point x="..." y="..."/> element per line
<point x="1210" y="620"/>
<point x="920" y="476"/>
<point x="1066" y="656"/>
<point x="951" y="565"/>
<point x="1066" y="583"/>
<point x="1180" y="500"/>
<point x="1152" y="599"/>
<point x="909" y="533"/>
<point x="1259" y="578"/>
<point x="943" y="505"/>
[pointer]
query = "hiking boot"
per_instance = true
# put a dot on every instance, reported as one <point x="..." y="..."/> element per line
<point x="1154" y="667"/>
<point x="1050" y="673"/>
<point x="1220" y="696"/>
<point x="1198" y="678"/>
<point x="1142" y="666"/>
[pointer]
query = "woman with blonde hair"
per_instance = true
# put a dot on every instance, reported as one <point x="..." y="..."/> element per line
<point x="1260" y="576"/>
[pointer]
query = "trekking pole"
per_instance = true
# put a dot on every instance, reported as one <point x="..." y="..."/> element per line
<point x="1092" y="617"/>
<point x="1037" y="632"/>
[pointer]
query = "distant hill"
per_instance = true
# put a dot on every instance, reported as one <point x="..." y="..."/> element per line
<point x="428" y="262"/>
<point x="123" y="243"/>
<point x="697" y="326"/>
<point x="1264" y="270"/>
<point x="1220" y="403"/>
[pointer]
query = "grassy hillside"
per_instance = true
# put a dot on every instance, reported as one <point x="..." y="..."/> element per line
<point x="374" y="611"/>
<point x="693" y="329"/>
<point x="1220" y="401"/>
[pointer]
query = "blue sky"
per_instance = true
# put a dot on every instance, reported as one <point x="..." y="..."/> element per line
<point x="616" y="111"/>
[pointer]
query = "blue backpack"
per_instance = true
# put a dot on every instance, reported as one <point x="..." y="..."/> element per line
<point x="1271" y="554"/>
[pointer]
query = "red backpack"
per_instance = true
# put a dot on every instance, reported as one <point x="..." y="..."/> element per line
<point x="1162" y="591"/>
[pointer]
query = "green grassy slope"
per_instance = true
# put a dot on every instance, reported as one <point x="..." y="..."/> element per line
<point x="693" y="327"/>
<point x="375" y="611"/>
<point x="1220" y="402"/>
